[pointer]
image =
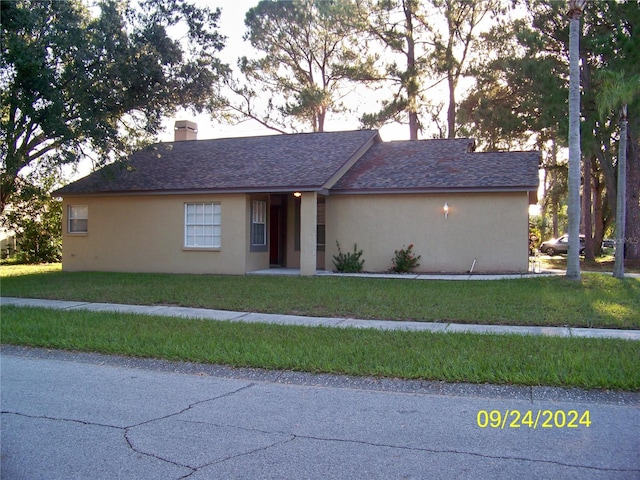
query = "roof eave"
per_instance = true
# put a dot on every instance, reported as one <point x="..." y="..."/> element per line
<point x="396" y="191"/>
<point x="215" y="191"/>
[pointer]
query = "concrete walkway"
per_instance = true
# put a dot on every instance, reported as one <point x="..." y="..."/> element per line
<point x="208" y="314"/>
<point x="295" y="272"/>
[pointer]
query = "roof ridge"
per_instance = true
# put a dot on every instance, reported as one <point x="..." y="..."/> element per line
<point x="270" y="135"/>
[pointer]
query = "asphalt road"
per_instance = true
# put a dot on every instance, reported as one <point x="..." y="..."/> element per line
<point x="86" y="416"/>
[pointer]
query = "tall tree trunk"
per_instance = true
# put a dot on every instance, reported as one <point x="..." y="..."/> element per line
<point x="587" y="204"/>
<point x="598" y="216"/>
<point x="451" y="113"/>
<point x="411" y="81"/>
<point x="621" y="217"/>
<point x="573" y="256"/>
<point x="632" y="227"/>
<point x="555" y="197"/>
<point x="320" y="116"/>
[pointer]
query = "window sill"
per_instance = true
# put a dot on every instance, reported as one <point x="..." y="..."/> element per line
<point x="201" y="249"/>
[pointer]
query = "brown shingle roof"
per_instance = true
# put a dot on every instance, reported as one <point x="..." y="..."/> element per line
<point x="313" y="161"/>
<point x="432" y="165"/>
<point x="267" y="163"/>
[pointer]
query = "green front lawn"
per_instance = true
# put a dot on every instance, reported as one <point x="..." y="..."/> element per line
<point x="596" y="301"/>
<point x="452" y="357"/>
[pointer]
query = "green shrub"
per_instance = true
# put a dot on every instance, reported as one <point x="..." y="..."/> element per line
<point x="348" y="262"/>
<point x="404" y="259"/>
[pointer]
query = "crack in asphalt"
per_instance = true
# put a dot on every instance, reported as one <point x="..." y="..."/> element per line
<point x="529" y="394"/>
<point x="102" y="425"/>
<point x="194" y="404"/>
<point x="396" y="447"/>
<point x="127" y="429"/>
<point x="61" y="419"/>
<point x="241" y="454"/>
<point x="187" y="408"/>
<point x="293" y="437"/>
<point x="462" y="452"/>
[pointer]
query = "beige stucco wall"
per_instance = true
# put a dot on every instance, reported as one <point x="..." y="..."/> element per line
<point x="146" y="234"/>
<point x="492" y="228"/>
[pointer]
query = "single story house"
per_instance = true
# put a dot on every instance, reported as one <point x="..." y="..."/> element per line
<point x="237" y="205"/>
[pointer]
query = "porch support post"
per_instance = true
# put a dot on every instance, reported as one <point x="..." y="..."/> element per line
<point x="308" y="233"/>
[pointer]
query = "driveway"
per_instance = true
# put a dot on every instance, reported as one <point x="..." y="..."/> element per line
<point x="78" y="416"/>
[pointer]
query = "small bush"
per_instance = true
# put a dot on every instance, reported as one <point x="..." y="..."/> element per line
<point x="404" y="259"/>
<point x="348" y="262"/>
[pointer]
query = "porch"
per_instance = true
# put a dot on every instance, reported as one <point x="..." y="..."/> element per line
<point x="292" y="234"/>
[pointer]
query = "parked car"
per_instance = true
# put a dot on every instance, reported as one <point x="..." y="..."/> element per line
<point x="559" y="245"/>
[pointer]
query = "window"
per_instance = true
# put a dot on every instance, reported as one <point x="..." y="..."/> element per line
<point x="202" y="225"/>
<point x="78" y="219"/>
<point x="258" y="224"/>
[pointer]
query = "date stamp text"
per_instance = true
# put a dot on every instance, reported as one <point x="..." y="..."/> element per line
<point x="533" y="419"/>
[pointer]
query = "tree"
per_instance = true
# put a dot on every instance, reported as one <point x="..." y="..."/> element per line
<point x="36" y="219"/>
<point x="308" y="46"/>
<point x="573" y="255"/>
<point x="619" y="91"/>
<point x="620" y="85"/>
<point x="521" y="96"/>
<point x="73" y="83"/>
<point x="394" y="25"/>
<point x="518" y="99"/>
<point x="520" y="90"/>
<point x="422" y="54"/>
<point x="451" y="51"/>
<point x="555" y="188"/>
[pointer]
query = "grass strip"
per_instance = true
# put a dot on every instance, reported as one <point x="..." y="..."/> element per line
<point x="597" y="301"/>
<point x="451" y="357"/>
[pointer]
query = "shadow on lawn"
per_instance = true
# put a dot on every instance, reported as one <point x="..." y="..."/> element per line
<point x="602" y="264"/>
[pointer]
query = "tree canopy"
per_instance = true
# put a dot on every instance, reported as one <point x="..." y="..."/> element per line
<point x="308" y="48"/>
<point x="76" y="81"/>
<point x="521" y="90"/>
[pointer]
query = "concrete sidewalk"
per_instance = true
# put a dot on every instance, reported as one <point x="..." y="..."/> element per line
<point x="208" y="314"/>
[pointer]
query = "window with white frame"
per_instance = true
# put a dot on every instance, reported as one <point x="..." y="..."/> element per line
<point x="78" y="219"/>
<point x="202" y="225"/>
<point x="259" y="224"/>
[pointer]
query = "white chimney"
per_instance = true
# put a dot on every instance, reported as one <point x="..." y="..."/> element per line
<point x="185" y="130"/>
